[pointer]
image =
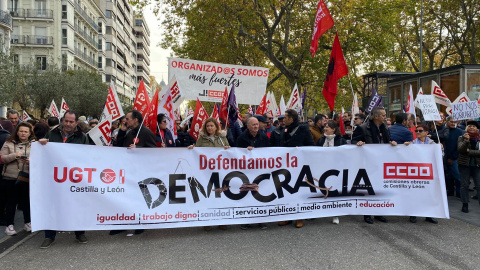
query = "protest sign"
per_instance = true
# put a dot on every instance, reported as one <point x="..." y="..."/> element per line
<point x="426" y="103"/>
<point x="465" y="110"/>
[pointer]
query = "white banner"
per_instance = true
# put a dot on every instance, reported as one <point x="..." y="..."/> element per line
<point x="105" y="188"/>
<point x="429" y="109"/>
<point x="465" y="110"/>
<point x="207" y="81"/>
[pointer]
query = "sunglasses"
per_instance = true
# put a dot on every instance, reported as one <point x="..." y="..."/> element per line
<point x="419" y="131"/>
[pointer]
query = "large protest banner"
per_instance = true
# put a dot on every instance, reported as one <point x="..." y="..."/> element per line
<point x="207" y="81"/>
<point x="102" y="188"/>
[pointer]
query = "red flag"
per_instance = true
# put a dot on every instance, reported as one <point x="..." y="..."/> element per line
<point x="215" y="113"/>
<point x="224" y="106"/>
<point x="151" y="117"/>
<point x="337" y="68"/>
<point x="141" y="100"/>
<point x="323" y="22"/>
<point x="263" y="106"/>
<point x="199" y="117"/>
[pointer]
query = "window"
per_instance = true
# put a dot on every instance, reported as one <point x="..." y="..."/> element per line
<point x="99" y="62"/>
<point x="13" y="6"/>
<point x="108" y="78"/>
<point x="114" y="64"/>
<point x="64" y="36"/>
<point x="64" y="12"/>
<point x="40" y="35"/>
<point x="40" y="8"/>
<point x="100" y="25"/>
<point x="42" y="62"/>
<point x="108" y="62"/>
<point x="108" y="14"/>
<point x="108" y="46"/>
<point x="15" y="58"/>
<point x="15" y="36"/>
<point x="99" y="43"/>
<point x="108" y="30"/>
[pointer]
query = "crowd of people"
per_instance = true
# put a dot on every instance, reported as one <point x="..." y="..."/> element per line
<point x="459" y="141"/>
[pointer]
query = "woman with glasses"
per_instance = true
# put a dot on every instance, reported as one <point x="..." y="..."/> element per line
<point x="331" y="138"/>
<point x="422" y="138"/>
<point x="163" y="136"/>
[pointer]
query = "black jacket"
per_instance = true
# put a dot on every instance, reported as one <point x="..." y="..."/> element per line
<point x="246" y="139"/>
<point x="370" y="134"/>
<point x="168" y="140"/>
<point x="146" y="138"/>
<point x="337" y="141"/>
<point x="77" y="137"/>
<point x="292" y="136"/>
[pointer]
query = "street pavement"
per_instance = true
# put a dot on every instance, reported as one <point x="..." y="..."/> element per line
<point x="353" y="244"/>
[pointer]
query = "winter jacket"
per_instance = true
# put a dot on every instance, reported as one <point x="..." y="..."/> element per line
<point x="400" y="133"/>
<point x="369" y="133"/>
<point x="57" y="135"/>
<point x="317" y="133"/>
<point x="464" y="157"/>
<point x="246" y="139"/>
<point x="337" y="141"/>
<point x="12" y="165"/>
<point x="146" y="138"/>
<point x="168" y="140"/>
<point x="205" y="141"/>
<point x="450" y="143"/>
<point x="292" y="136"/>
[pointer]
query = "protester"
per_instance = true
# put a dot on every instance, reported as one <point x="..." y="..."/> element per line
<point x="399" y="131"/>
<point x="317" y="129"/>
<point x="14" y="117"/>
<point x="469" y="161"/>
<point x="310" y="121"/>
<point x="269" y="121"/>
<point x="53" y="122"/>
<point x="450" y="144"/>
<point x="332" y="137"/>
<point x="374" y="131"/>
<point x="163" y="136"/>
<point x="134" y="133"/>
<point x="440" y="127"/>
<point x="245" y="117"/>
<point x="15" y="159"/>
<point x="422" y="132"/>
<point x="92" y="123"/>
<point x="294" y="134"/>
<point x="211" y="136"/>
<point x="358" y="120"/>
<point x="67" y="132"/>
<point x="347" y="116"/>
<point x="40" y="130"/>
<point x="251" y="138"/>
<point x="262" y="124"/>
<point x="6" y="129"/>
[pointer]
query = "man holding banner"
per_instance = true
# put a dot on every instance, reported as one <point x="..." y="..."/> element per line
<point x="374" y="131"/>
<point x="134" y="133"/>
<point x="67" y="132"/>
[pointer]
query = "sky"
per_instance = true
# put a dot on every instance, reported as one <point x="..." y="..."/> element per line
<point x="158" y="56"/>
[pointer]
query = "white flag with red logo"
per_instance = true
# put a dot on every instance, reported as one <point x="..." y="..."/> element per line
<point x="101" y="134"/>
<point x="272" y="107"/>
<point x="175" y="91"/>
<point x="294" y="100"/>
<point x="460" y="99"/>
<point x="52" y="110"/>
<point x="420" y="92"/>
<point x="281" y="107"/>
<point x="25" y="116"/>
<point x="250" y="109"/>
<point x="410" y="105"/>
<point x="355" y="109"/>
<point x="63" y="108"/>
<point x="142" y="102"/>
<point x="112" y="106"/>
<point x="262" y="108"/>
<point x="199" y="117"/>
<point x="439" y="95"/>
<point x="215" y="113"/>
<point x="190" y="112"/>
<point x="165" y="106"/>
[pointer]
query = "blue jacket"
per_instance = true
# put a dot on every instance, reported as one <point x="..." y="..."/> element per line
<point x="400" y="134"/>
<point x="450" y="144"/>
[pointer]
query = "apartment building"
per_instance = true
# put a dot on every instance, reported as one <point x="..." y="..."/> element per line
<point x="6" y="27"/>
<point x="142" y="34"/>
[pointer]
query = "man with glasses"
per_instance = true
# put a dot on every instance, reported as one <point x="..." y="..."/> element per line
<point x="358" y="120"/>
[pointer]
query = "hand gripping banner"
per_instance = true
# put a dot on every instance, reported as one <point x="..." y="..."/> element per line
<point x="84" y="187"/>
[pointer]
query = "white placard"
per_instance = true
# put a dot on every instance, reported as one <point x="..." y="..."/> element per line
<point x="465" y="110"/>
<point x="426" y="103"/>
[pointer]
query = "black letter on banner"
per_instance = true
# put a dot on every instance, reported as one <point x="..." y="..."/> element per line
<point x="195" y="185"/>
<point x="282" y="184"/>
<point x="323" y="178"/>
<point x="174" y="188"/>
<point x="226" y="182"/>
<point x="146" y="194"/>
<point x="362" y="174"/>
<point x="301" y="179"/>
<point x="259" y="196"/>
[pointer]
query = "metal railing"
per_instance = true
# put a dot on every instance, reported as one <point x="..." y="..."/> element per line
<point x="6" y="18"/>
<point x="85" y="36"/>
<point x="85" y="16"/>
<point x="86" y="58"/>
<point x="40" y="13"/>
<point x="32" y="40"/>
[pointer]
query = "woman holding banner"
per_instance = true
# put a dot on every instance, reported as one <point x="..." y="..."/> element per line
<point x="14" y="155"/>
<point x="422" y="131"/>
<point x="163" y="136"/>
<point x="211" y="136"/>
<point x="469" y="161"/>
<point x="331" y="138"/>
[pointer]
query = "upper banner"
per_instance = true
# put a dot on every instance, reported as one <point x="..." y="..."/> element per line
<point x="84" y="187"/>
<point x="207" y="81"/>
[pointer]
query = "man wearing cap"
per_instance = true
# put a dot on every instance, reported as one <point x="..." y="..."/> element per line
<point x="269" y="128"/>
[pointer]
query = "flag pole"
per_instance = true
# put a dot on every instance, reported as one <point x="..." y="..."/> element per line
<point x="435" y="126"/>
<point x="138" y="132"/>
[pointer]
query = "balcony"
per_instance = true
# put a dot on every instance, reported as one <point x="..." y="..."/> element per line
<point x="6" y="19"/>
<point x="32" y="40"/>
<point x="87" y="59"/>
<point x="87" y="38"/>
<point x="32" y="13"/>
<point x="87" y="18"/>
